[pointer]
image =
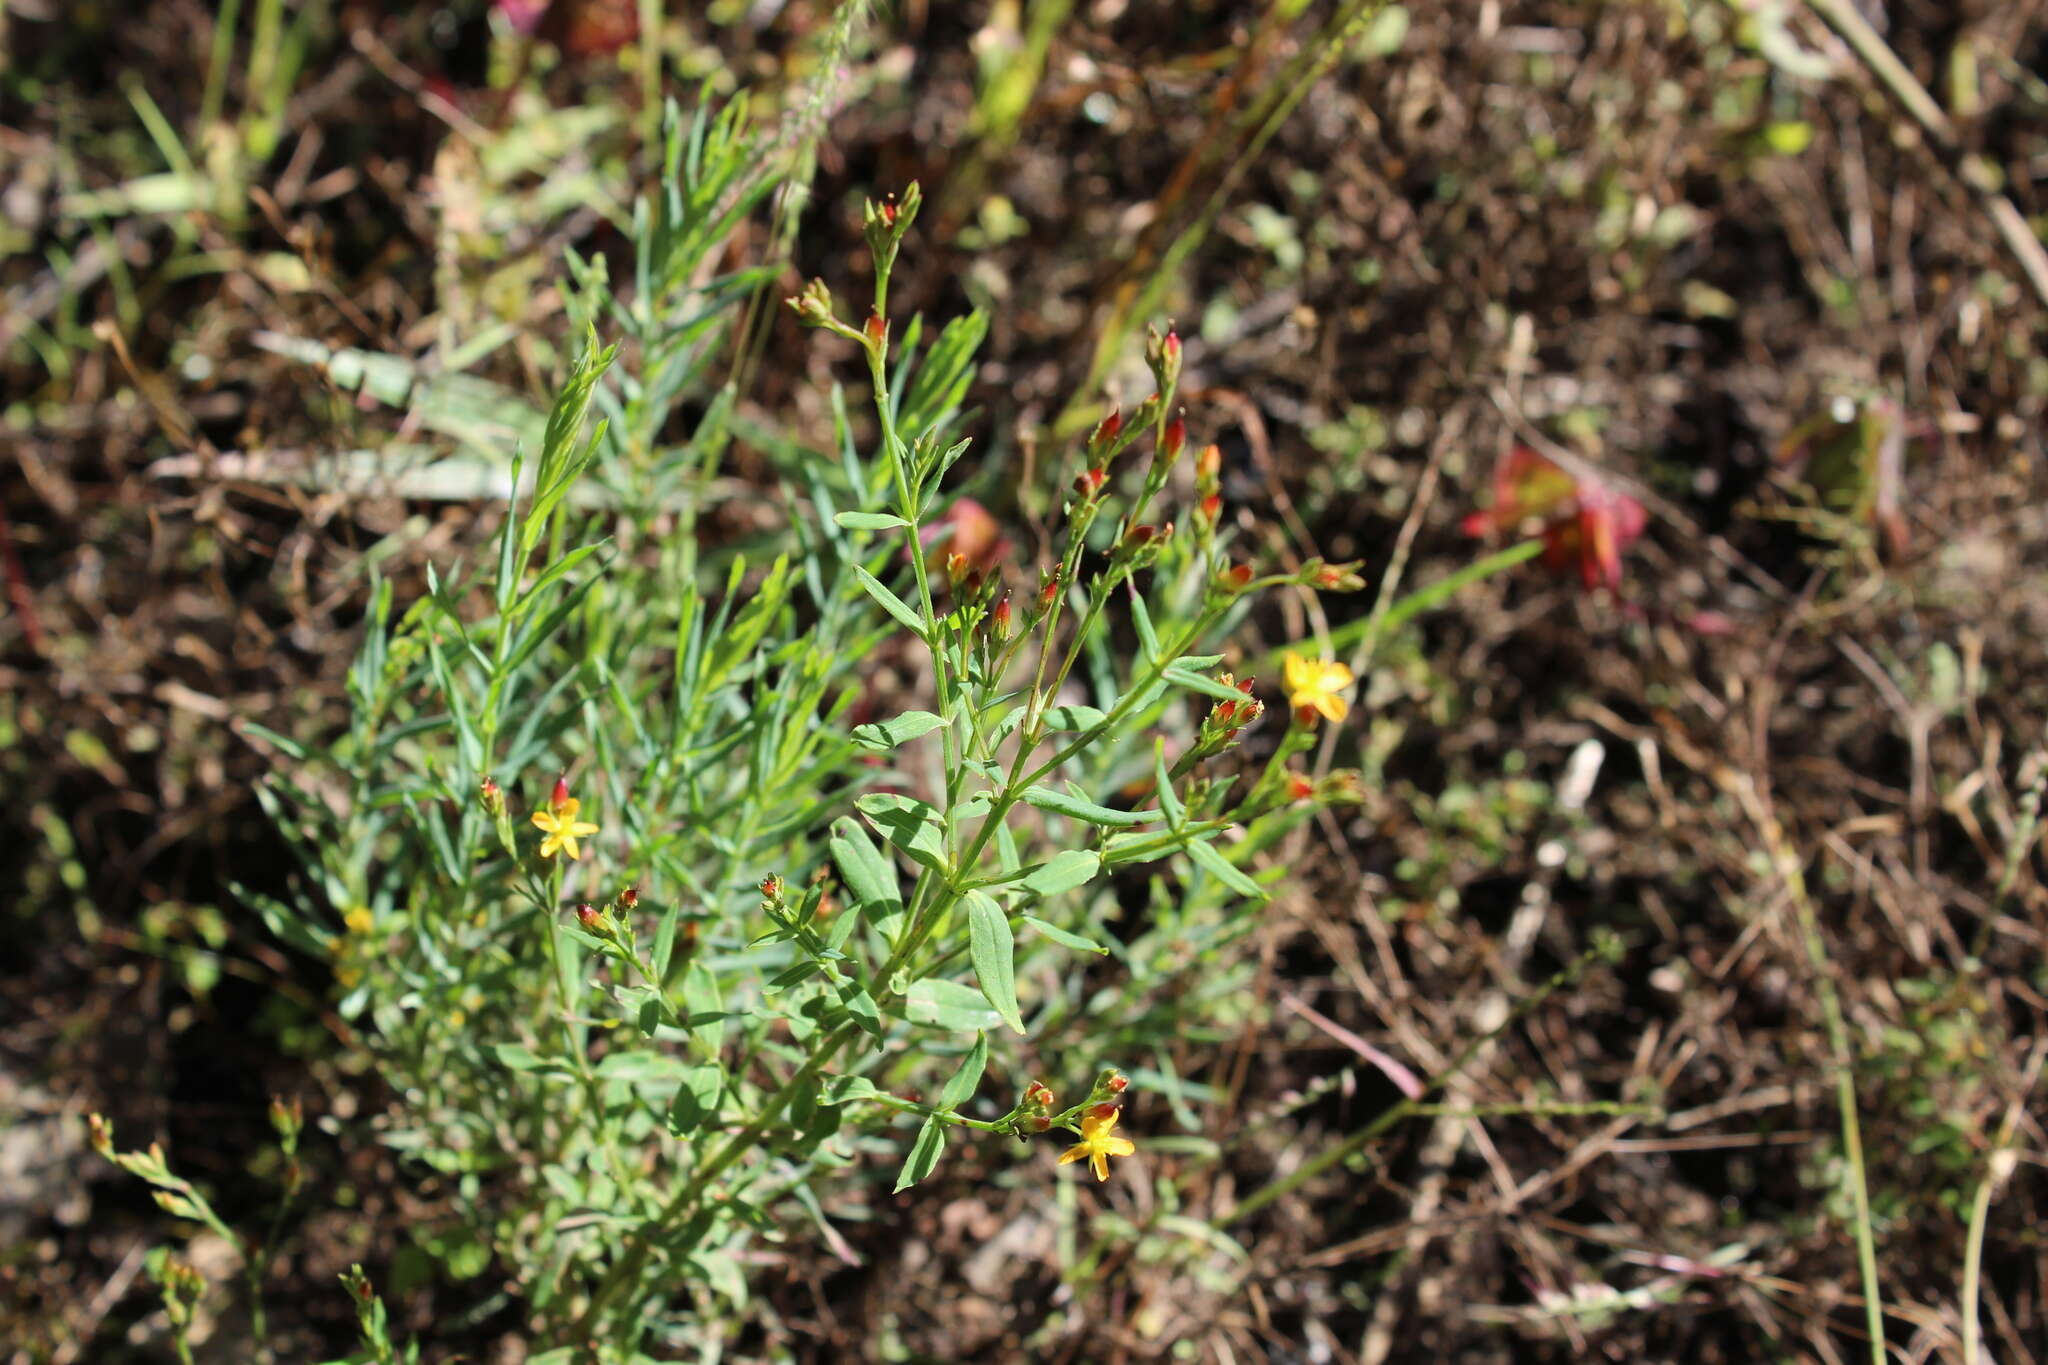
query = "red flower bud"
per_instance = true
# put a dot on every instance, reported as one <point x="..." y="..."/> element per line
<point x="1106" y="430"/>
<point x="1120" y="1082"/>
<point x="629" y="899"/>
<point x="1174" y="441"/>
<point x="589" y="917"/>
<point x="771" y="887"/>
<point x="1209" y="463"/>
<point x="1299" y="788"/>
<point x="560" y="797"/>
<point x="1001" y="617"/>
<point x="1103" y="1110"/>
<point x="1211" y="509"/>
<point x="1048" y="589"/>
<point x="1090" y="481"/>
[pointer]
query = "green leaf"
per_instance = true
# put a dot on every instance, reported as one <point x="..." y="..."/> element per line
<point x="924" y="1154"/>
<point x="860" y="1007"/>
<point x="696" y="1099"/>
<point x="992" y="951"/>
<point x="1061" y="803"/>
<point x="1074" y="717"/>
<point x="867" y="874"/>
<point x="908" y="823"/>
<point x="1223" y="870"/>
<point x="890" y="602"/>
<point x="948" y="1005"/>
<point x="842" y="1089"/>
<point x="869" y="521"/>
<point x="665" y="939"/>
<point x="1063" y="938"/>
<point x="1180" y="676"/>
<point x="901" y="729"/>
<point x="960" y="1086"/>
<point x="561" y="457"/>
<point x="1063" y="872"/>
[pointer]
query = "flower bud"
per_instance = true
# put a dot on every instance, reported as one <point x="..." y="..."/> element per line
<point x="590" y="917"/>
<point x="492" y="796"/>
<point x="559" y="798"/>
<point x="1209" y="464"/>
<point x="629" y="899"/>
<point x="1299" y="788"/>
<point x="1001" y="619"/>
<point x="813" y="307"/>
<point x="1048" y="589"/>
<point x="1105" y="433"/>
<point x="1101" y="1111"/>
<point x="1162" y="353"/>
<point x="771" y="887"/>
<point x="1210" y="510"/>
<point x="1088" y="484"/>
<point x="1232" y="579"/>
<point x="287" y="1119"/>
<point x="1171" y="444"/>
<point x="100" y="1134"/>
<point x="1333" y="577"/>
<point x="957" y="569"/>
<point x="1117" y="1084"/>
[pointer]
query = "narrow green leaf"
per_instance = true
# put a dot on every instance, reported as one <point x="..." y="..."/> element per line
<point x="1061" y="803"/>
<point x="665" y="939"/>
<point x="1063" y="938"/>
<point x="696" y="1099"/>
<point x="842" y="1089"/>
<point x="992" y="951"/>
<point x="1063" y="872"/>
<point x="908" y="823"/>
<point x="1074" y="717"/>
<point x="860" y="1007"/>
<point x="897" y="730"/>
<point x="867" y="874"/>
<point x="890" y="602"/>
<point x="924" y="1154"/>
<point x="1180" y="676"/>
<point x="869" y="521"/>
<point x="1223" y="870"/>
<point x="960" y="1086"/>
<point x="948" y="1005"/>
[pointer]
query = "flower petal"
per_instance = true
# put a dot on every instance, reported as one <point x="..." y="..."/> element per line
<point x="1101" y="1164"/>
<point x="1117" y="1146"/>
<point x="1074" y="1153"/>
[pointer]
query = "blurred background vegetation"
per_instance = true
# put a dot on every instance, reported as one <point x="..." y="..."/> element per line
<point x="278" y="290"/>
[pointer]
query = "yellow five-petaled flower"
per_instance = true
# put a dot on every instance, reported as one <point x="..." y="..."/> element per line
<point x="1099" y="1143"/>
<point x="1318" y="684"/>
<point x="560" y="824"/>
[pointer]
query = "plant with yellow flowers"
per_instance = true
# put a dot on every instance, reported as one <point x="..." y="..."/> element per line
<point x="676" y="876"/>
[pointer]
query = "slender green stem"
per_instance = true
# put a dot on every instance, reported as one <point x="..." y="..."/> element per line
<point x="217" y="61"/>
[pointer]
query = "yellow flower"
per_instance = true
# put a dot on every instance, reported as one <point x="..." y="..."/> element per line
<point x="1319" y="685"/>
<point x="1098" y="1143"/>
<point x="360" y="920"/>
<point x="560" y="824"/>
